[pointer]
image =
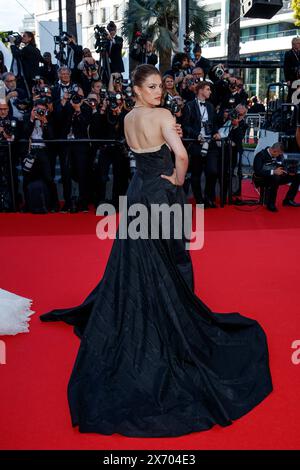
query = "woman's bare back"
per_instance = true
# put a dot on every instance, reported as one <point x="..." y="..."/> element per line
<point x="143" y="128"/>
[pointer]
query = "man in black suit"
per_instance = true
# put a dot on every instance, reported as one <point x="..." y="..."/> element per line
<point x="200" y="122"/>
<point x="201" y="61"/>
<point x="291" y="64"/>
<point x="273" y="175"/>
<point x="115" y="49"/>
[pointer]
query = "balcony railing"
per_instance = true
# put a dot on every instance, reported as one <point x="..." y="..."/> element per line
<point x="270" y="35"/>
<point x="213" y="43"/>
<point x="215" y="20"/>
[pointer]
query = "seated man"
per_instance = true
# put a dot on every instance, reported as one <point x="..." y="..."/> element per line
<point x="272" y="175"/>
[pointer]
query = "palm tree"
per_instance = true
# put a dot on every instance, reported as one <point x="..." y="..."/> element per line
<point x="234" y="30"/>
<point x="71" y="17"/>
<point x="158" y="19"/>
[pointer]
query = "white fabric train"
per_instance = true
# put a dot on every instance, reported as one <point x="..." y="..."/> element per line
<point x="15" y="313"/>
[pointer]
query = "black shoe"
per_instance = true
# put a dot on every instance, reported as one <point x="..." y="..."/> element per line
<point x="65" y="208"/>
<point x="289" y="202"/>
<point x="272" y="208"/>
<point x="210" y="204"/>
<point x="83" y="208"/>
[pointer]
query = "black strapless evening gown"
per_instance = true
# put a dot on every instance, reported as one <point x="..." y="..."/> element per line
<point x="154" y="360"/>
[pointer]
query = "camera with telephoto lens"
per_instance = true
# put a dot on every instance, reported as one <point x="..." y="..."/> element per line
<point x="129" y="101"/>
<point x="204" y="148"/>
<point x="91" y="67"/>
<point x="113" y="99"/>
<point x="8" y="35"/>
<point x="63" y="39"/>
<point x="9" y="126"/>
<point x="172" y="104"/>
<point x="103" y="94"/>
<point x="102" y="40"/>
<point x="73" y="92"/>
<point x="41" y="112"/>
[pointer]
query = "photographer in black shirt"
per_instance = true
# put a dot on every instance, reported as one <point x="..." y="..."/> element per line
<point x="28" y="59"/>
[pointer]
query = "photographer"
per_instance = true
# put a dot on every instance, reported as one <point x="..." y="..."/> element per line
<point x="3" y="68"/>
<point x="188" y="88"/>
<point x="200" y="123"/>
<point x="180" y="68"/>
<point x="74" y="56"/>
<point x="200" y="61"/>
<point x="268" y="168"/>
<point x="291" y="66"/>
<point x="115" y="49"/>
<point x="48" y="71"/>
<point x="78" y="156"/>
<point x="36" y="167"/>
<point x="111" y="126"/>
<point x="232" y="126"/>
<point x="15" y="96"/>
<point x="62" y="113"/>
<point x="19" y="106"/>
<point x="89" y="74"/>
<point x="220" y="76"/>
<point x="291" y="63"/>
<point x="28" y="59"/>
<point x="142" y="50"/>
<point x="8" y="131"/>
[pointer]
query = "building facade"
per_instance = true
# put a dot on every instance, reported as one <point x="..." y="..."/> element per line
<point x="99" y="13"/>
<point x="260" y="40"/>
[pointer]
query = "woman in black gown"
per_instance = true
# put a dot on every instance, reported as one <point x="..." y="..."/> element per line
<point x="153" y="359"/>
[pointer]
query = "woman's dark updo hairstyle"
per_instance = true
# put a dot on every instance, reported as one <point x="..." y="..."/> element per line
<point x="142" y="72"/>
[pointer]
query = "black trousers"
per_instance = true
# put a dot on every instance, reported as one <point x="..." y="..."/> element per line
<point x="74" y="161"/>
<point x="273" y="182"/>
<point x="210" y="166"/>
<point x="42" y="170"/>
<point x="227" y="176"/>
<point x="112" y="155"/>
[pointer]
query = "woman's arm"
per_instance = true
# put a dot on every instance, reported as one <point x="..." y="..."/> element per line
<point x="169" y="132"/>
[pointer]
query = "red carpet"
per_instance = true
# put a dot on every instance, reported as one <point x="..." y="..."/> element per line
<point x="250" y="263"/>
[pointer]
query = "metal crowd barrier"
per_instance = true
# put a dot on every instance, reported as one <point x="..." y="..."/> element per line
<point x="123" y="143"/>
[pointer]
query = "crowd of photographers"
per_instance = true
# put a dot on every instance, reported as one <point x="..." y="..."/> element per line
<point x="79" y="101"/>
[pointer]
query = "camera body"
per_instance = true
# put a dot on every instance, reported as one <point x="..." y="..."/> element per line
<point x="289" y="164"/>
<point x="74" y="95"/>
<point x="9" y="126"/>
<point x="41" y="112"/>
<point x="113" y="99"/>
<point x="12" y="35"/>
<point x="63" y="39"/>
<point x="172" y="105"/>
<point x="102" y="40"/>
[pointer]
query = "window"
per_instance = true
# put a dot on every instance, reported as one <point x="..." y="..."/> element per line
<point x="49" y="5"/>
<point x="79" y="18"/>
<point x="91" y="17"/>
<point x="116" y="12"/>
<point x="103" y="15"/>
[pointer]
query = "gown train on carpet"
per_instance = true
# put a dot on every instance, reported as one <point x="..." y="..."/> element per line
<point x="154" y="360"/>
